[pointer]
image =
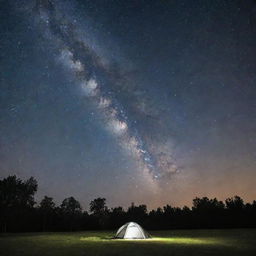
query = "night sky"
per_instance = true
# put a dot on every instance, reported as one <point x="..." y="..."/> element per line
<point x="149" y="102"/>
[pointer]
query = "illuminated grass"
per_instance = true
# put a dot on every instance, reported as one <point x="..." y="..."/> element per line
<point x="187" y="240"/>
<point x="178" y="243"/>
<point x="159" y="240"/>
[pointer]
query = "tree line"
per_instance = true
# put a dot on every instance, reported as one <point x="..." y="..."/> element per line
<point x="20" y="213"/>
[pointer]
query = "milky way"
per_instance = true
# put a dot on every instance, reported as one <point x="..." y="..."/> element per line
<point x="137" y="101"/>
<point x="91" y="74"/>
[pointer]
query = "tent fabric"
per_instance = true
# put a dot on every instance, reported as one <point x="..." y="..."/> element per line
<point x="131" y="230"/>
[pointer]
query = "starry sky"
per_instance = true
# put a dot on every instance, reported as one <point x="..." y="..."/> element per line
<point x="139" y="101"/>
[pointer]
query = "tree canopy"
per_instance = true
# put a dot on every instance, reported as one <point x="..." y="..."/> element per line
<point x="19" y="212"/>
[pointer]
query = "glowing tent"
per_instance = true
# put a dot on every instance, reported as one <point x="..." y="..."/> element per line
<point x="131" y="230"/>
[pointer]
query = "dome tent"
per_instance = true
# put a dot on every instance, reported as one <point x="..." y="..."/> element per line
<point x="131" y="230"/>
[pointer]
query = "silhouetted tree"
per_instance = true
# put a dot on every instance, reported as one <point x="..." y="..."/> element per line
<point x="156" y="220"/>
<point x="47" y="204"/>
<point x="100" y="212"/>
<point x="47" y="212"/>
<point x="207" y="212"/>
<point x="18" y="212"/>
<point x="235" y="203"/>
<point x="137" y="213"/>
<point x="71" y="206"/>
<point x="206" y="205"/>
<point x="236" y="210"/>
<point x="117" y="217"/>
<point x="98" y="206"/>
<point x="16" y="199"/>
<point x="71" y="211"/>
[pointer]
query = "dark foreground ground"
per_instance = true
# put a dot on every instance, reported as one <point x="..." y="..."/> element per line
<point x="174" y="242"/>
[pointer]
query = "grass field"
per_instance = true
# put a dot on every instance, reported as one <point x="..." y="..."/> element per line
<point x="174" y="242"/>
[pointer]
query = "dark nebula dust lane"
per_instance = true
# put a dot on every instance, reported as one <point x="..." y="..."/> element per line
<point x="91" y="74"/>
<point x="153" y="98"/>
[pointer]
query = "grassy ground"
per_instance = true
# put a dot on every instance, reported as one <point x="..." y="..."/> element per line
<point x="175" y="243"/>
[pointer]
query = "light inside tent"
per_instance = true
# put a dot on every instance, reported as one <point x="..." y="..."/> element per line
<point x="131" y="230"/>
